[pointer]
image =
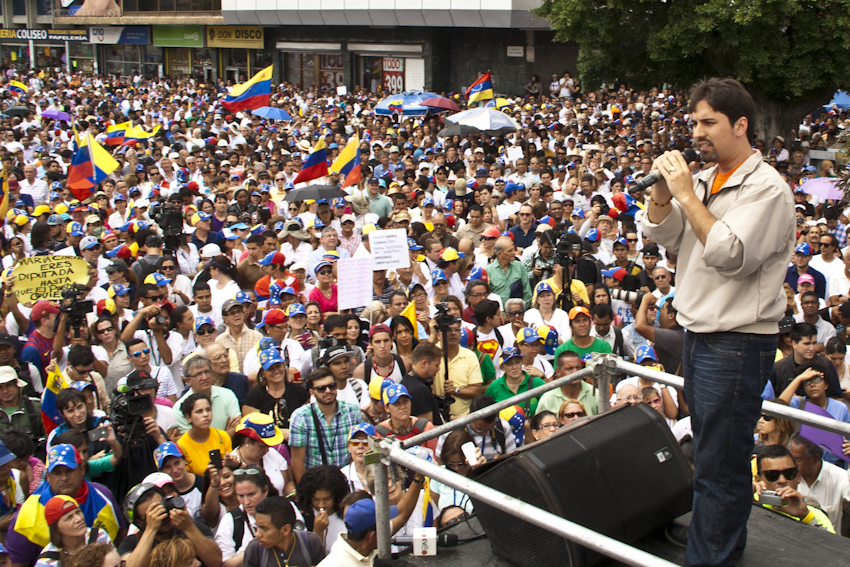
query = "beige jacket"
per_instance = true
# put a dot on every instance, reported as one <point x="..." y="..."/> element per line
<point x="734" y="282"/>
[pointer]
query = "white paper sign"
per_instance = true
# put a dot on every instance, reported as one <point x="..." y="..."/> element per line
<point x="342" y="90"/>
<point x="515" y="153"/>
<point x="355" y="282"/>
<point x="389" y="249"/>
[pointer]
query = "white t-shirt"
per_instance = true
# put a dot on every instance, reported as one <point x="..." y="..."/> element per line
<point x="827" y="269"/>
<point x="354" y="482"/>
<point x="560" y="320"/>
<point x="488" y="343"/>
<point x="98" y="351"/>
<point x="214" y="315"/>
<point x="838" y="285"/>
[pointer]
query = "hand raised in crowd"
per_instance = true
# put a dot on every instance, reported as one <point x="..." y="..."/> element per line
<point x="155" y="517"/>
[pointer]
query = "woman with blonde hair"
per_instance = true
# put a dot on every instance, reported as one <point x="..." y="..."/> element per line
<point x="176" y="552"/>
<point x="570" y="411"/>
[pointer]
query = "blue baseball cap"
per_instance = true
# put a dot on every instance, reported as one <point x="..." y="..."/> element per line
<point x="477" y="274"/>
<point x="157" y="279"/>
<point x="55" y="220"/>
<point x="645" y="352"/>
<point x="622" y="242"/>
<point x="528" y="335"/>
<point x="804" y="249"/>
<point x="438" y="275"/>
<point x="119" y="197"/>
<point x="465" y="337"/>
<point x="243" y="297"/>
<point x="117" y="289"/>
<point x="366" y="428"/>
<point x="579" y="212"/>
<point x="268" y="342"/>
<point x="338" y="202"/>
<point x="509" y="353"/>
<point x="201" y="321"/>
<point x="167" y="449"/>
<point x="203" y="216"/>
<point x="239" y="226"/>
<point x="81" y="386"/>
<point x="448" y="205"/>
<point x="592" y="235"/>
<point x="6" y="456"/>
<point x="392" y="393"/>
<point x="295" y="309"/>
<point x="269" y="358"/>
<point x="76" y="229"/>
<point x="360" y="516"/>
<point x="543" y="287"/>
<point x="413" y="245"/>
<point x="428" y="201"/>
<point x="65" y="455"/>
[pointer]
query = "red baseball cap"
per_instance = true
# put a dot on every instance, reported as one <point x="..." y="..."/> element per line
<point x="379" y="328"/>
<point x="42" y="308"/>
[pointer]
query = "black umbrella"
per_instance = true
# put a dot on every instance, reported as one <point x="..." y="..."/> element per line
<point x="458" y="130"/>
<point x="21" y="111"/>
<point x="315" y="192"/>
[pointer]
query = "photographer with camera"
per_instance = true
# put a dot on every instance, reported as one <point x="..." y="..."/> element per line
<point x="160" y="519"/>
<point x="464" y="371"/>
<point x="150" y="324"/>
<point x="669" y="337"/>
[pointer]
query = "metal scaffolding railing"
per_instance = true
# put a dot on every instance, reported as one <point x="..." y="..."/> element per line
<point x="602" y="367"/>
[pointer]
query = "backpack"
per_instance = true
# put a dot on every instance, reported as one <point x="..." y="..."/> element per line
<point x="420" y="424"/>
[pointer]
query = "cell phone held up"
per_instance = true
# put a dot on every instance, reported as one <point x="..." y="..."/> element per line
<point x="98" y="434"/>
<point x="215" y="459"/>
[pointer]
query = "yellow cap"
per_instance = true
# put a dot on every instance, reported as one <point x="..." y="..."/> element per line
<point x="21" y="220"/>
<point x="368" y="228"/>
<point x="61" y="208"/>
<point x="41" y="210"/>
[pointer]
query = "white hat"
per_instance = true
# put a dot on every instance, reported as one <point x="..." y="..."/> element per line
<point x="304" y="146"/>
<point x="142" y="203"/>
<point x="210" y="251"/>
<point x="173" y="155"/>
<point x="347" y="217"/>
<point x="7" y="374"/>
<point x="297" y="266"/>
<point x="223" y="144"/>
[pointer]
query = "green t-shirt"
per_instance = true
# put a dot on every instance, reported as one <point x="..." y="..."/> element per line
<point x="499" y="391"/>
<point x="598" y="345"/>
<point x="488" y="371"/>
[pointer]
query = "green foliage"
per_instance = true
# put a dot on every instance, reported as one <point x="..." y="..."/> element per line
<point x="786" y="51"/>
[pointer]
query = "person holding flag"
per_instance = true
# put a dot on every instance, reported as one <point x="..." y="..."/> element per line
<point x="347" y="164"/>
<point x="481" y="89"/>
<point x="316" y="164"/>
<point x="253" y="94"/>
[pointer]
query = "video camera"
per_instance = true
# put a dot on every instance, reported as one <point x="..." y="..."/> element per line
<point x="444" y="320"/>
<point x="169" y="218"/>
<point x="77" y="309"/>
<point x="127" y="409"/>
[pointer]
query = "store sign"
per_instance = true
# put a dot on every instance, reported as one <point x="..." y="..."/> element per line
<point x="516" y="51"/>
<point x="393" y="75"/>
<point x="120" y="35"/>
<point x="248" y="37"/>
<point x="330" y="71"/>
<point x="45" y="35"/>
<point x="178" y="36"/>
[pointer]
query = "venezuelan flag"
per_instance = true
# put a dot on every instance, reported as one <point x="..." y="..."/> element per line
<point x="97" y="510"/>
<point x="315" y="166"/>
<point x="17" y="87"/>
<point x="90" y="165"/>
<point x="4" y="193"/>
<point x="482" y="89"/>
<point x="49" y="412"/>
<point x="348" y="163"/>
<point x="115" y="133"/>
<point x="253" y="94"/>
<point x="140" y="134"/>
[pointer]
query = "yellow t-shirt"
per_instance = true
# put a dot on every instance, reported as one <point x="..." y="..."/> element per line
<point x="198" y="454"/>
<point x="577" y="286"/>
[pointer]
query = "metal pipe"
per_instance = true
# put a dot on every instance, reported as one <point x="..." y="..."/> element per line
<point x="495" y="408"/>
<point x="382" y="510"/>
<point x="531" y="514"/>
<point x="771" y="408"/>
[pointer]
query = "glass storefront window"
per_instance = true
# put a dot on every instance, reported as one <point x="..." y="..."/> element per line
<point x="203" y="64"/>
<point x="170" y="5"/>
<point x="122" y="59"/>
<point x="262" y="59"/>
<point x="330" y="71"/>
<point x="82" y="57"/>
<point x="15" y="56"/>
<point x="179" y="61"/>
<point x="301" y="69"/>
<point x="153" y="60"/>
<point x="49" y="56"/>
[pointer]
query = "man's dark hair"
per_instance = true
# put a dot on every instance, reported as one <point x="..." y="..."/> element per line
<point x="134" y="341"/>
<point x="257" y="239"/>
<point x="333" y="322"/>
<point x="773" y="452"/>
<point x="844" y="310"/>
<point x="145" y="289"/>
<point x="426" y="351"/>
<point x="200" y="286"/>
<point x="396" y="293"/>
<point x="833" y="240"/>
<point x="138" y="520"/>
<point x="278" y="509"/>
<point x="20" y="443"/>
<point x="726" y="96"/>
<point x="80" y="355"/>
<point x="477" y="208"/>
<point x="68" y="397"/>
<point x="812" y="450"/>
<point x="567" y="354"/>
<point x="602" y="310"/>
<point x="809" y="294"/>
<point x="630" y="283"/>
<point x="481" y="402"/>
<point x="486" y="309"/>
<point x="832" y="213"/>
<point x="799" y="331"/>
<point x="473" y="284"/>
<point x="317" y="374"/>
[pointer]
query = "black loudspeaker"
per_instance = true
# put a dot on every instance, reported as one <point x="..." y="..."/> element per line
<point x="620" y="473"/>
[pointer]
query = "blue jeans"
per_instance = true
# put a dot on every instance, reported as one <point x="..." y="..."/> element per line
<point x="725" y="374"/>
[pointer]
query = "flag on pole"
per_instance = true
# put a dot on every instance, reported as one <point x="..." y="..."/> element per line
<point x="253" y="94"/>
<point x="140" y="134"/>
<point x="315" y="166"/>
<point x="116" y="132"/>
<point x="4" y="193"/>
<point x="409" y="313"/>
<point x="17" y="87"/>
<point x="89" y="166"/>
<point x="482" y="89"/>
<point x="348" y="163"/>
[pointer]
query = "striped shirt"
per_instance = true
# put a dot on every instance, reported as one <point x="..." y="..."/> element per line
<point x="37" y="350"/>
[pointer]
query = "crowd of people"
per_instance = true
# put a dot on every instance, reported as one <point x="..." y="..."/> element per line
<point x="216" y="403"/>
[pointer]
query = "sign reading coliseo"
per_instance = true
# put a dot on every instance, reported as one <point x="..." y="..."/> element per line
<point x="45" y="35"/>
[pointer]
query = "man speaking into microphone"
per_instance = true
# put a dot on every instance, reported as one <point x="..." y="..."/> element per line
<point x="733" y="228"/>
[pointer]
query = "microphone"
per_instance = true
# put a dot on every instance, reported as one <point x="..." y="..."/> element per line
<point x="654" y="177"/>
<point x="443" y="540"/>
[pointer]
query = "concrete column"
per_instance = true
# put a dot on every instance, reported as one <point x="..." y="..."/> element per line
<point x="32" y="54"/>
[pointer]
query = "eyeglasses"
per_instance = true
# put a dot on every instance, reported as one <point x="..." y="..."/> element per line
<point x="525" y="214"/>
<point x="634" y="398"/>
<point x="550" y="426"/>
<point x="455" y="466"/>
<point x="199" y="374"/>
<point x="208" y="331"/>
<point x="358" y="442"/>
<point x="326" y="388"/>
<point x="766" y="417"/>
<point x="573" y="414"/>
<point x="773" y="476"/>
<point x="514" y="313"/>
<point x="140" y="353"/>
<point x="106" y="330"/>
<point x="324" y="272"/>
<point x="84" y="372"/>
<point x="631" y="240"/>
<point x="813" y="381"/>
<point x="478" y="295"/>
<point x="240" y="472"/>
<point x="488" y="238"/>
<point x="658" y="278"/>
<point x="156" y="297"/>
<point x="169" y="268"/>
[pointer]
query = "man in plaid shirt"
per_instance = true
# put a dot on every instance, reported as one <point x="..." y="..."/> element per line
<point x="310" y="445"/>
<point x="835" y="227"/>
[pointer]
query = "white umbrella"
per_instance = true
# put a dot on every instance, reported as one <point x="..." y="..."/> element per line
<point x="488" y="120"/>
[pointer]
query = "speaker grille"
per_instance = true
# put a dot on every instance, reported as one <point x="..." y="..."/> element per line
<point x="621" y="474"/>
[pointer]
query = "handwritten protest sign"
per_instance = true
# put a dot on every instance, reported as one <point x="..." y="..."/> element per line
<point x="44" y="277"/>
<point x="355" y="282"/>
<point x="389" y="249"/>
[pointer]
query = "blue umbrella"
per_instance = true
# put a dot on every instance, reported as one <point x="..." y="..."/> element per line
<point x="272" y="113"/>
<point x="405" y="104"/>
